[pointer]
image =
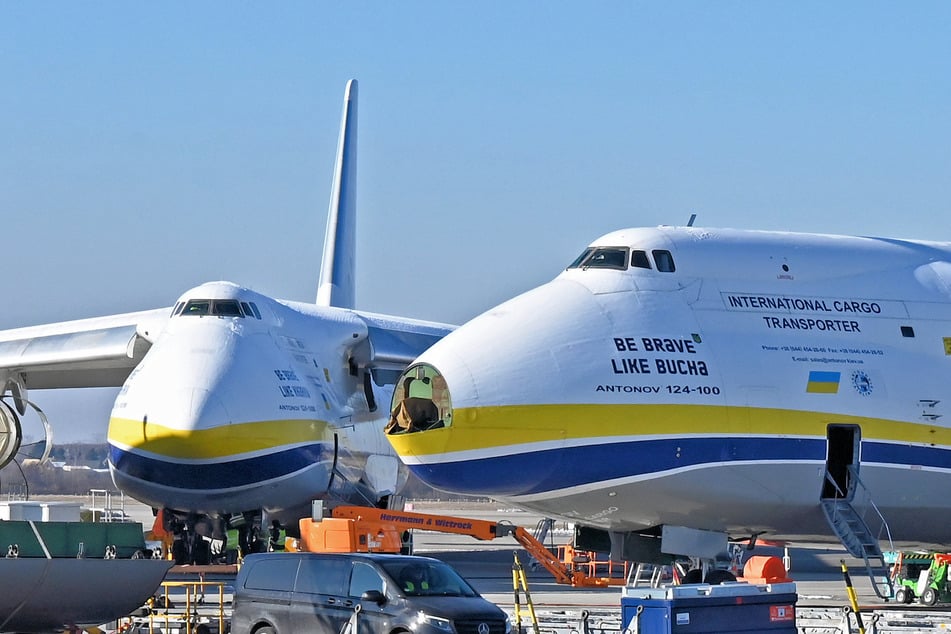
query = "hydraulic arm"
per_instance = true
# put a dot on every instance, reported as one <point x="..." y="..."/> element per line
<point x="482" y="530"/>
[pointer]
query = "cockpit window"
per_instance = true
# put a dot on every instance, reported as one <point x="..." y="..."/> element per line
<point x="664" y="261"/>
<point x="197" y="307"/>
<point x="218" y="307"/>
<point x="602" y="258"/>
<point x="639" y="260"/>
<point x="227" y="308"/>
<point x="581" y="258"/>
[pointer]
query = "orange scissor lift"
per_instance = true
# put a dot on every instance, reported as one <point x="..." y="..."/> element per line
<point x="362" y="529"/>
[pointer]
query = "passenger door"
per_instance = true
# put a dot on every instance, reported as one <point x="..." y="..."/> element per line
<point x="320" y="602"/>
<point x="373" y="616"/>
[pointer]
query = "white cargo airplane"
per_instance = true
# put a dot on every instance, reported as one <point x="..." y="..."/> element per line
<point x="680" y="378"/>
<point x="235" y="406"/>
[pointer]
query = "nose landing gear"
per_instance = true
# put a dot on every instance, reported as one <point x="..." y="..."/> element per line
<point x="202" y="540"/>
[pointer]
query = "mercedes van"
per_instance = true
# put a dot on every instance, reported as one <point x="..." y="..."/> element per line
<point x="286" y="593"/>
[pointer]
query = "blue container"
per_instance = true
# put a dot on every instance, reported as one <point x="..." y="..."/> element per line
<point x="705" y="609"/>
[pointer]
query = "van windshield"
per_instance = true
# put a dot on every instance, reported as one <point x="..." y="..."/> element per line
<point x="426" y="578"/>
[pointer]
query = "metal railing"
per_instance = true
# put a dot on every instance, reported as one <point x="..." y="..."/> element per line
<point x="196" y="616"/>
<point x="865" y="503"/>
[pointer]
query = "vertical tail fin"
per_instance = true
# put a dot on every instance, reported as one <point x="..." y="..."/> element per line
<point x="338" y="267"/>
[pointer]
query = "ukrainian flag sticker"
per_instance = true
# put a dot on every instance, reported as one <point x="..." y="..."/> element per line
<point x="823" y="382"/>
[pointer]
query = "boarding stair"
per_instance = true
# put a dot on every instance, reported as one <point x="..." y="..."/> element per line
<point x="852" y="516"/>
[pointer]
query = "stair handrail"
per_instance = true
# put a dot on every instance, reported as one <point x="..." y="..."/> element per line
<point x="832" y="481"/>
<point x="867" y="500"/>
<point x="832" y="506"/>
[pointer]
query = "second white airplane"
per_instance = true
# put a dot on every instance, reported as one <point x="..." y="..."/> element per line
<point x="237" y="408"/>
<point x="675" y="381"/>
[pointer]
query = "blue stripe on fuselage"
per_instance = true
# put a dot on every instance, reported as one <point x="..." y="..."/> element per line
<point x="554" y="469"/>
<point x="219" y="475"/>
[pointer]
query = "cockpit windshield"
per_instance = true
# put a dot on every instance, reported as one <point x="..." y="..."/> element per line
<point x="227" y="308"/>
<point x="197" y="307"/>
<point x="602" y="258"/>
<point x="217" y="307"/>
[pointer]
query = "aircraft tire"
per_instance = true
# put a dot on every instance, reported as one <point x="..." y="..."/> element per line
<point x="178" y="552"/>
<point x="715" y="577"/>
<point x="693" y="576"/>
<point x="201" y="553"/>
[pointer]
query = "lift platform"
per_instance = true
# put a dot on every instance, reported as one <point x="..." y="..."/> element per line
<point x="380" y="530"/>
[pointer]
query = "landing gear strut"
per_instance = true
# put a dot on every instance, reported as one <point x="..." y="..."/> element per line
<point x="203" y="539"/>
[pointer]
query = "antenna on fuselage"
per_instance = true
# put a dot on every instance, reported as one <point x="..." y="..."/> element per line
<point x="336" y="286"/>
<point x="692" y="218"/>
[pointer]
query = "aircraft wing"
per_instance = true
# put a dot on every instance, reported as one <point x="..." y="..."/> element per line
<point x="96" y="352"/>
<point x="395" y="342"/>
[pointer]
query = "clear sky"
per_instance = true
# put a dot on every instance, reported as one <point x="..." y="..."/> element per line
<point x="149" y="147"/>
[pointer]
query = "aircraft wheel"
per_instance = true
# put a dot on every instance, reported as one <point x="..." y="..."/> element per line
<point x="715" y="577"/>
<point x="201" y="552"/>
<point x="692" y="576"/>
<point x="929" y="597"/>
<point x="904" y="595"/>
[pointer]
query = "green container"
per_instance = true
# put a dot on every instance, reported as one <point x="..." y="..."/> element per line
<point x="63" y="539"/>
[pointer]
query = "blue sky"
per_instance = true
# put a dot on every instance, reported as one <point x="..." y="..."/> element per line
<point x="150" y="147"/>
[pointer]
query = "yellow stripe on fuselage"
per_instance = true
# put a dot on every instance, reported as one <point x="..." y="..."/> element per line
<point x="502" y="426"/>
<point x="217" y="442"/>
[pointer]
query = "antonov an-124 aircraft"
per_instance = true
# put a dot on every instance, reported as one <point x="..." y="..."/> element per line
<point x="678" y="383"/>
<point x="236" y="408"/>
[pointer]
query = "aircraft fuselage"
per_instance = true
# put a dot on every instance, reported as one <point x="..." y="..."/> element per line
<point x="231" y="412"/>
<point x="705" y="378"/>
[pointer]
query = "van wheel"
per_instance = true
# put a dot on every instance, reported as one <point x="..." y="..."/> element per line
<point x="264" y="630"/>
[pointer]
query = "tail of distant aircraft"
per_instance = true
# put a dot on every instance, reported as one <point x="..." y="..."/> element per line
<point x="338" y="268"/>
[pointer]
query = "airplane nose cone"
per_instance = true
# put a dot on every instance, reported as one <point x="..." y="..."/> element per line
<point x="190" y="392"/>
<point x="199" y="408"/>
<point x="512" y="354"/>
<point x="494" y="387"/>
